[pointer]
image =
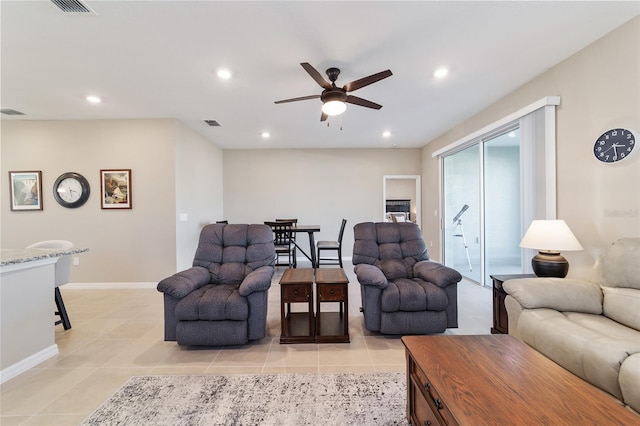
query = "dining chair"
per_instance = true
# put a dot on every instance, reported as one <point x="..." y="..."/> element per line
<point x="293" y="237"/>
<point x="283" y="242"/>
<point x="62" y="273"/>
<point x="332" y="246"/>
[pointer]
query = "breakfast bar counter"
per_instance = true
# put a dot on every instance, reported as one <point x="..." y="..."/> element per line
<point x="27" y="283"/>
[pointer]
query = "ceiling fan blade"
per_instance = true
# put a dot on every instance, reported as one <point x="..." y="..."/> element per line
<point x="316" y="75"/>
<point x="362" y="102"/>
<point x="303" y="98"/>
<point x="323" y="116"/>
<point x="355" y="85"/>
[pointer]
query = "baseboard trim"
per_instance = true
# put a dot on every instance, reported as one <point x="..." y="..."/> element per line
<point x="109" y="286"/>
<point x="28" y="363"/>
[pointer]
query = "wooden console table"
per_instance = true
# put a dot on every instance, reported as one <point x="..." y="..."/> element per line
<point x="296" y="286"/>
<point x="498" y="380"/>
<point x="332" y="286"/>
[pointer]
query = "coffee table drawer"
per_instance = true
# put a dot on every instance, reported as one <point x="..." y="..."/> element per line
<point x="421" y="412"/>
<point x="292" y="293"/>
<point x="439" y="411"/>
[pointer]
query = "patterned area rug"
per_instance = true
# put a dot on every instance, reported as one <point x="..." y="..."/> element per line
<point x="271" y="399"/>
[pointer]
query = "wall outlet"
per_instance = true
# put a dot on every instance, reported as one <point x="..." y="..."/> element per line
<point x="184" y="217"/>
<point x="76" y="261"/>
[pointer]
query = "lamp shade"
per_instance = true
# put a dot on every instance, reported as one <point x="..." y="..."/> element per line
<point x="550" y="235"/>
<point x="334" y="107"/>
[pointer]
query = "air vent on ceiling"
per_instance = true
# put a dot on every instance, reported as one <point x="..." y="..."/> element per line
<point x="9" y="111"/>
<point x="73" y="6"/>
<point x="212" y="123"/>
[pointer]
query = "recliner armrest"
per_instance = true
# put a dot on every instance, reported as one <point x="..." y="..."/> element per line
<point x="370" y="275"/>
<point x="436" y="273"/>
<point x="258" y="280"/>
<point x="560" y="294"/>
<point x="183" y="283"/>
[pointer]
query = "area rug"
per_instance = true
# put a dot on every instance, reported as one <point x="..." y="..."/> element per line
<point x="254" y="399"/>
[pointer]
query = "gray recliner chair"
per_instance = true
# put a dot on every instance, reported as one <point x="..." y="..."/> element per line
<point x="222" y="298"/>
<point x="402" y="291"/>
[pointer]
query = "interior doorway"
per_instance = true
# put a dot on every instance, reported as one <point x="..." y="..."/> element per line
<point x="401" y="198"/>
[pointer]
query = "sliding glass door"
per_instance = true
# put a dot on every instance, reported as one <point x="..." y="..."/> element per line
<point x="461" y="213"/>
<point x="502" y="201"/>
<point x="482" y="204"/>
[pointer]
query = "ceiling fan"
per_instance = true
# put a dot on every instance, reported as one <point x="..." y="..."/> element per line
<point x="334" y="98"/>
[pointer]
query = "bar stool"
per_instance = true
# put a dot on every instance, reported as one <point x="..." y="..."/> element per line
<point x="62" y="272"/>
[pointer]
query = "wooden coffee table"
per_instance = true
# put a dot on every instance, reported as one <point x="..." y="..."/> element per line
<point x="497" y="379"/>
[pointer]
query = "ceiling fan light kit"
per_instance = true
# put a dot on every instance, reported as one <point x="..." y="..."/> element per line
<point x="334" y="99"/>
<point x="332" y="108"/>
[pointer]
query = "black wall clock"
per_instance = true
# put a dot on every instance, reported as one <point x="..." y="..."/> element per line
<point x="71" y="190"/>
<point x="616" y="145"/>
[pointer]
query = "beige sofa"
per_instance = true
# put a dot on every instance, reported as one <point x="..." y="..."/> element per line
<point x="590" y="328"/>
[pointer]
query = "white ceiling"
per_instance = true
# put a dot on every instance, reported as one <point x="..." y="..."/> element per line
<point x="158" y="59"/>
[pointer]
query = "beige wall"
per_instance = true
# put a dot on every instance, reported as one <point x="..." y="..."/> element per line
<point x="600" y="90"/>
<point x="198" y="165"/>
<point x="137" y="245"/>
<point x="316" y="186"/>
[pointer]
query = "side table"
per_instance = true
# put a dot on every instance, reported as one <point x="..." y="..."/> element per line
<point x="296" y="286"/>
<point x="500" y="319"/>
<point x="331" y="286"/>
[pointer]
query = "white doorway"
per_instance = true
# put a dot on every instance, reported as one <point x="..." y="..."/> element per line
<point x="401" y="196"/>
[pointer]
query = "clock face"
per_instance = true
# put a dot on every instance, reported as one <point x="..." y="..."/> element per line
<point x="615" y="145"/>
<point x="71" y="190"/>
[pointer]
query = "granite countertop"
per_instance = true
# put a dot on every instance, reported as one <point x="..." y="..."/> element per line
<point x="15" y="256"/>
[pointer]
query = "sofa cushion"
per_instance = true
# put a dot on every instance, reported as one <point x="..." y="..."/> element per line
<point x="622" y="305"/>
<point x="618" y="266"/>
<point x="603" y="325"/>
<point x="591" y="348"/>
<point x="412" y="295"/>
<point x="213" y="302"/>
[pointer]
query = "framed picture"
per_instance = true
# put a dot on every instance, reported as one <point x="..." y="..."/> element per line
<point x="115" y="188"/>
<point x="25" y="189"/>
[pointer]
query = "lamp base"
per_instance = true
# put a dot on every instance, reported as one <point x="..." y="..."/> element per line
<point x="550" y="264"/>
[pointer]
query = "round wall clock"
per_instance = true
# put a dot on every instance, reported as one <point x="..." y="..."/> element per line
<point x="616" y="145"/>
<point x="71" y="190"/>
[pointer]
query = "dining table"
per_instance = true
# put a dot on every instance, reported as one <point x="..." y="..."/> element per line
<point x="310" y="230"/>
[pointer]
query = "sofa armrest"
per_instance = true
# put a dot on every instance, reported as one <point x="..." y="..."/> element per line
<point x="436" y="273"/>
<point x="370" y="275"/>
<point x="560" y="294"/>
<point x="258" y="280"/>
<point x="183" y="283"/>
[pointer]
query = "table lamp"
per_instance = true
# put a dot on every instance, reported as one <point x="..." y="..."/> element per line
<point x="550" y="237"/>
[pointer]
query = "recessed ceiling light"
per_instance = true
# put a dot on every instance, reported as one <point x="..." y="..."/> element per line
<point x="386" y="134"/>
<point x="94" y="99"/>
<point x="440" y="72"/>
<point x="265" y="135"/>
<point x="224" y="73"/>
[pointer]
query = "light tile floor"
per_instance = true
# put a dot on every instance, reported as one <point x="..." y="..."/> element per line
<point x="118" y="333"/>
